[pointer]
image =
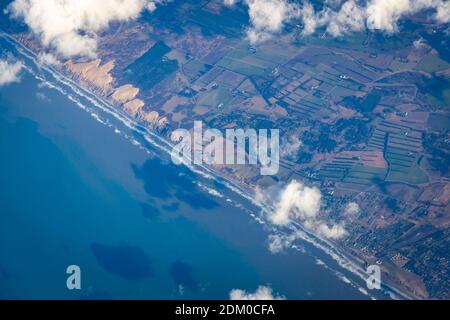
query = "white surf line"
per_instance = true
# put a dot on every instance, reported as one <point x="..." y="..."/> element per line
<point x="76" y="101"/>
<point x="166" y="146"/>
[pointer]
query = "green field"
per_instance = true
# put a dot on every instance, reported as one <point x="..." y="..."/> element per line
<point x="350" y="171"/>
<point x="151" y="68"/>
<point x="438" y="122"/>
<point x="402" y="154"/>
<point x="432" y="63"/>
<point x="247" y="62"/>
<point x="413" y="175"/>
<point x="215" y="97"/>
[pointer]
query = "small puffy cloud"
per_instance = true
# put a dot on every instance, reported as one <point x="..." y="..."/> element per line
<point x="334" y="232"/>
<point x="350" y="17"/>
<point x="262" y="293"/>
<point x="279" y="243"/>
<point x="384" y="14"/>
<point x="297" y="203"/>
<point x="311" y="19"/>
<point x="9" y="72"/>
<point x="352" y="209"/>
<point x="290" y="147"/>
<point x="230" y="3"/>
<point x="419" y="44"/>
<point x="268" y="17"/>
<point x="47" y="59"/>
<point x="70" y="26"/>
<point x="259" y="194"/>
<point x="41" y="96"/>
<point x="443" y="12"/>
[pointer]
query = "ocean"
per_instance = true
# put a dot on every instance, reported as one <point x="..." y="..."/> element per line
<point x="82" y="185"/>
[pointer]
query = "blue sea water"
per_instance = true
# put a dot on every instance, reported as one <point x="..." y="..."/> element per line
<point x="77" y="187"/>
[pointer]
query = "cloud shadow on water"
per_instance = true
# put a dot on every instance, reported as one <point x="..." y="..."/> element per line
<point x="182" y="274"/>
<point x="128" y="262"/>
<point x="166" y="181"/>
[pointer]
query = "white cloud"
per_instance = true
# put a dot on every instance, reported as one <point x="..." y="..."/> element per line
<point x="352" y="209"/>
<point x="47" y="59"/>
<point x="9" y="72"/>
<point x="350" y="17"/>
<point x="334" y="232"/>
<point x="262" y="293"/>
<point x="443" y="12"/>
<point x="297" y="203"/>
<point x="268" y="17"/>
<point x="279" y="243"/>
<point x="230" y="3"/>
<point x="290" y="147"/>
<point x="312" y="20"/>
<point x="384" y="14"/>
<point x="419" y="44"/>
<point x="70" y="26"/>
<point x="340" y="17"/>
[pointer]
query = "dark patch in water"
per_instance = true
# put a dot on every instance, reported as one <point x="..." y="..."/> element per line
<point x="149" y="211"/>
<point x="164" y="181"/>
<point x="182" y="274"/>
<point x="128" y="262"/>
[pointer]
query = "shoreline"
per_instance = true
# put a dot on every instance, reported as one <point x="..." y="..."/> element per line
<point x="344" y="260"/>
